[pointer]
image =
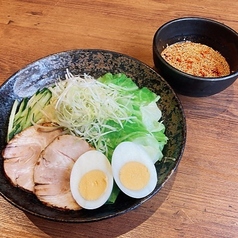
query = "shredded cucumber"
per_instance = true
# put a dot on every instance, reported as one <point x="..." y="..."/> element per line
<point x="27" y="112"/>
<point x="11" y="120"/>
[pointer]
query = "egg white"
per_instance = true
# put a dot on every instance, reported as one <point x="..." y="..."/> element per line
<point x="131" y="152"/>
<point x="89" y="161"/>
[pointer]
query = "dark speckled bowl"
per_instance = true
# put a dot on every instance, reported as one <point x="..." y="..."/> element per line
<point x="96" y="63"/>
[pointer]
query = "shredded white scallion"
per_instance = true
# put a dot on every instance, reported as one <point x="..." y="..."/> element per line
<point x="84" y="105"/>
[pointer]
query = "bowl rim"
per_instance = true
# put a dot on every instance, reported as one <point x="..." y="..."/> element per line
<point x="209" y="79"/>
<point x="194" y="18"/>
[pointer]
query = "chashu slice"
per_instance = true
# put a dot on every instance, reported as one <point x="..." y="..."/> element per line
<point x="52" y="171"/>
<point x="23" y="151"/>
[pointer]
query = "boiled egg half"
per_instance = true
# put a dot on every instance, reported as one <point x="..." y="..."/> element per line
<point x="133" y="170"/>
<point x="91" y="180"/>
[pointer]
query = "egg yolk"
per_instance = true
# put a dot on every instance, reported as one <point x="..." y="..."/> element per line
<point x="93" y="184"/>
<point x="134" y="175"/>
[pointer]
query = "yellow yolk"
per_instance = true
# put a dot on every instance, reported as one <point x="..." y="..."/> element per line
<point x="92" y="185"/>
<point x="134" y="175"/>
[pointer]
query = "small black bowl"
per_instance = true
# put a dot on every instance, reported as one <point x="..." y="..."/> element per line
<point x="200" y="30"/>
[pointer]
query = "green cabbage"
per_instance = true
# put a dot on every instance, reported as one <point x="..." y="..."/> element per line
<point x="144" y="126"/>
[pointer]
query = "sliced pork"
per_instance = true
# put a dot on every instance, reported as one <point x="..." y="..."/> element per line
<point x="23" y="151"/>
<point x="52" y="171"/>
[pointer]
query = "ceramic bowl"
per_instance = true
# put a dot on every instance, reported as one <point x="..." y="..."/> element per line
<point x="45" y="71"/>
<point x="200" y="30"/>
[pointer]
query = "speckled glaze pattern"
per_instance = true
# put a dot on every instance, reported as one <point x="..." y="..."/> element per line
<point x="96" y="63"/>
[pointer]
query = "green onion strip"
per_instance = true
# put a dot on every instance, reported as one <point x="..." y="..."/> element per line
<point x="83" y="105"/>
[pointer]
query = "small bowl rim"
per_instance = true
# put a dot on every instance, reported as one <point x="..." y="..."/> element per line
<point x="209" y="79"/>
